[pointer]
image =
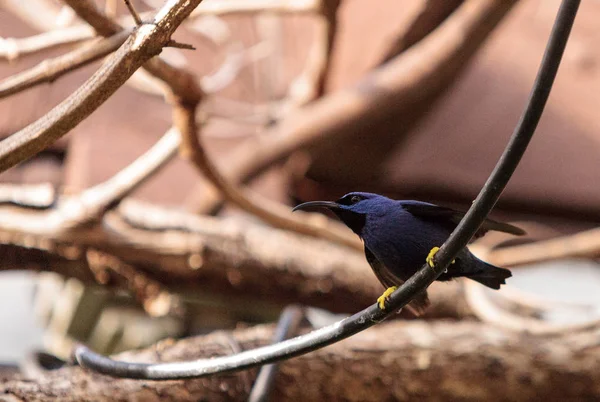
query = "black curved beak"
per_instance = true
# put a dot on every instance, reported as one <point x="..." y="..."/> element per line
<point x="317" y="204"/>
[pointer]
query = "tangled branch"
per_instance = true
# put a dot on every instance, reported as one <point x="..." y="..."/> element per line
<point x="417" y="283"/>
<point x="141" y="46"/>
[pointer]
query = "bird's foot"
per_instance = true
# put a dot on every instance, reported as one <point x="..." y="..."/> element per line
<point x="385" y="296"/>
<point x="432" y="254"/>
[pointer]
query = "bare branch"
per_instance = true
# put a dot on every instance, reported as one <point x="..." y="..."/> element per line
<point x="184" y="116"/>
<point x="143" y="226"/>
<point x="236" y="57"/>
<point x="95" y="201"/>
<point x="38" y="196"/>
<point x="73" y="211"/>
<point x="182" y="86"/>
<point x="13" y="48"/>
<point x="429" y="16"/>
<point x="417" y="283"/>
<point x="145" y="43"/>
<point x="52" y="69"/>
<point x="583" y="244"/>
<point x="133" y="12"/>
<point x="178" y="45"/>
<point x="276" y="215"/>
<point x="227" y="258"/>
<point x="222" y="7"/>
<point x="90" y="13"/>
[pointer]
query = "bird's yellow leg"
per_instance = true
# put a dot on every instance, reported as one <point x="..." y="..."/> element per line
<point x="385" y="296"/>
<point x="430" y="256"/>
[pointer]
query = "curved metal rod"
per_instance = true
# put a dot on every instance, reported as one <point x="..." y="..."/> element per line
<point x="422" y="279"/>
<point x="289" y="322"/>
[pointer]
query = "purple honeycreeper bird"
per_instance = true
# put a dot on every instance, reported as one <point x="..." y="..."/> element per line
<point x="399" y="236"/>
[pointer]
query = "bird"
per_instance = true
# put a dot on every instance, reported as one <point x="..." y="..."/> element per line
<point x="399" y="236"/>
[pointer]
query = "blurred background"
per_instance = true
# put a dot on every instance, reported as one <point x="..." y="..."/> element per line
<point x="262" y="69"/>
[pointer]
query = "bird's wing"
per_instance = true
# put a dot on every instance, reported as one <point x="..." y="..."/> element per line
<point x="453" y="217"/>
<point x="417" y="305"/>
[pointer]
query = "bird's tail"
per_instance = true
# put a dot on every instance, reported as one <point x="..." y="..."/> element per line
<point x="491" y="276"/>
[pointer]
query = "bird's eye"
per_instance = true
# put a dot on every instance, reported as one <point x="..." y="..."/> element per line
<point x="355" y="199"/>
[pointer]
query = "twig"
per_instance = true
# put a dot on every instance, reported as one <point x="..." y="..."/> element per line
<point x="72" y="211"/>
<point x="237" y="111"/>
<point x="52" y="69"/>
<point x="235" y="59"/>
<point x="272" y="213"/>
<point x="417" y="283"/>
<point x="98" y="199"/>
<point x="37" y="196"/>
<point x="236" y="55"/>
<point x="102" y="24"/>
<point x="184" y="118"/>
<point x="140" y="47"/>
<point x="178" y="45"/>
<point x="90" y="13"/>
<point x="134" y="14"/>
<point x="223" y="7"/>
<point x="13" y="48"/>
<point x="182" y="85"/>
<point x="584" y="244"/>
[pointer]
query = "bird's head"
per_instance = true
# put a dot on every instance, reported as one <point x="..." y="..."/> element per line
<point x="352" y="208"/>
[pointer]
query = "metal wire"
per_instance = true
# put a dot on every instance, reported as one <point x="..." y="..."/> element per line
<point x="421" y="280"/>
<point x="288" y="324"/>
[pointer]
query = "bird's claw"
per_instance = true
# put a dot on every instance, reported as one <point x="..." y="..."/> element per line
<point x="385" y="296"/>
<point x="432" y="254"/>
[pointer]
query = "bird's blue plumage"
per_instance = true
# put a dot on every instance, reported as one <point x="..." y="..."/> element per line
<point x="400" y="240"/>
<point x="398" y="236"/>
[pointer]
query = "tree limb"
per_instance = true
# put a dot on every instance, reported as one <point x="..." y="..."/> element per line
<point x="583" y="244"/>
<point x="183" y="85"/>
<point x="220" y="7"/>
<point x="430" y="15"/>
<point x="51" y="69"/>
<point x="145" y="43"/>
<point x="412" y="363"/>
<point x="272" y="213"/>
<point x="13" y="48"/>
